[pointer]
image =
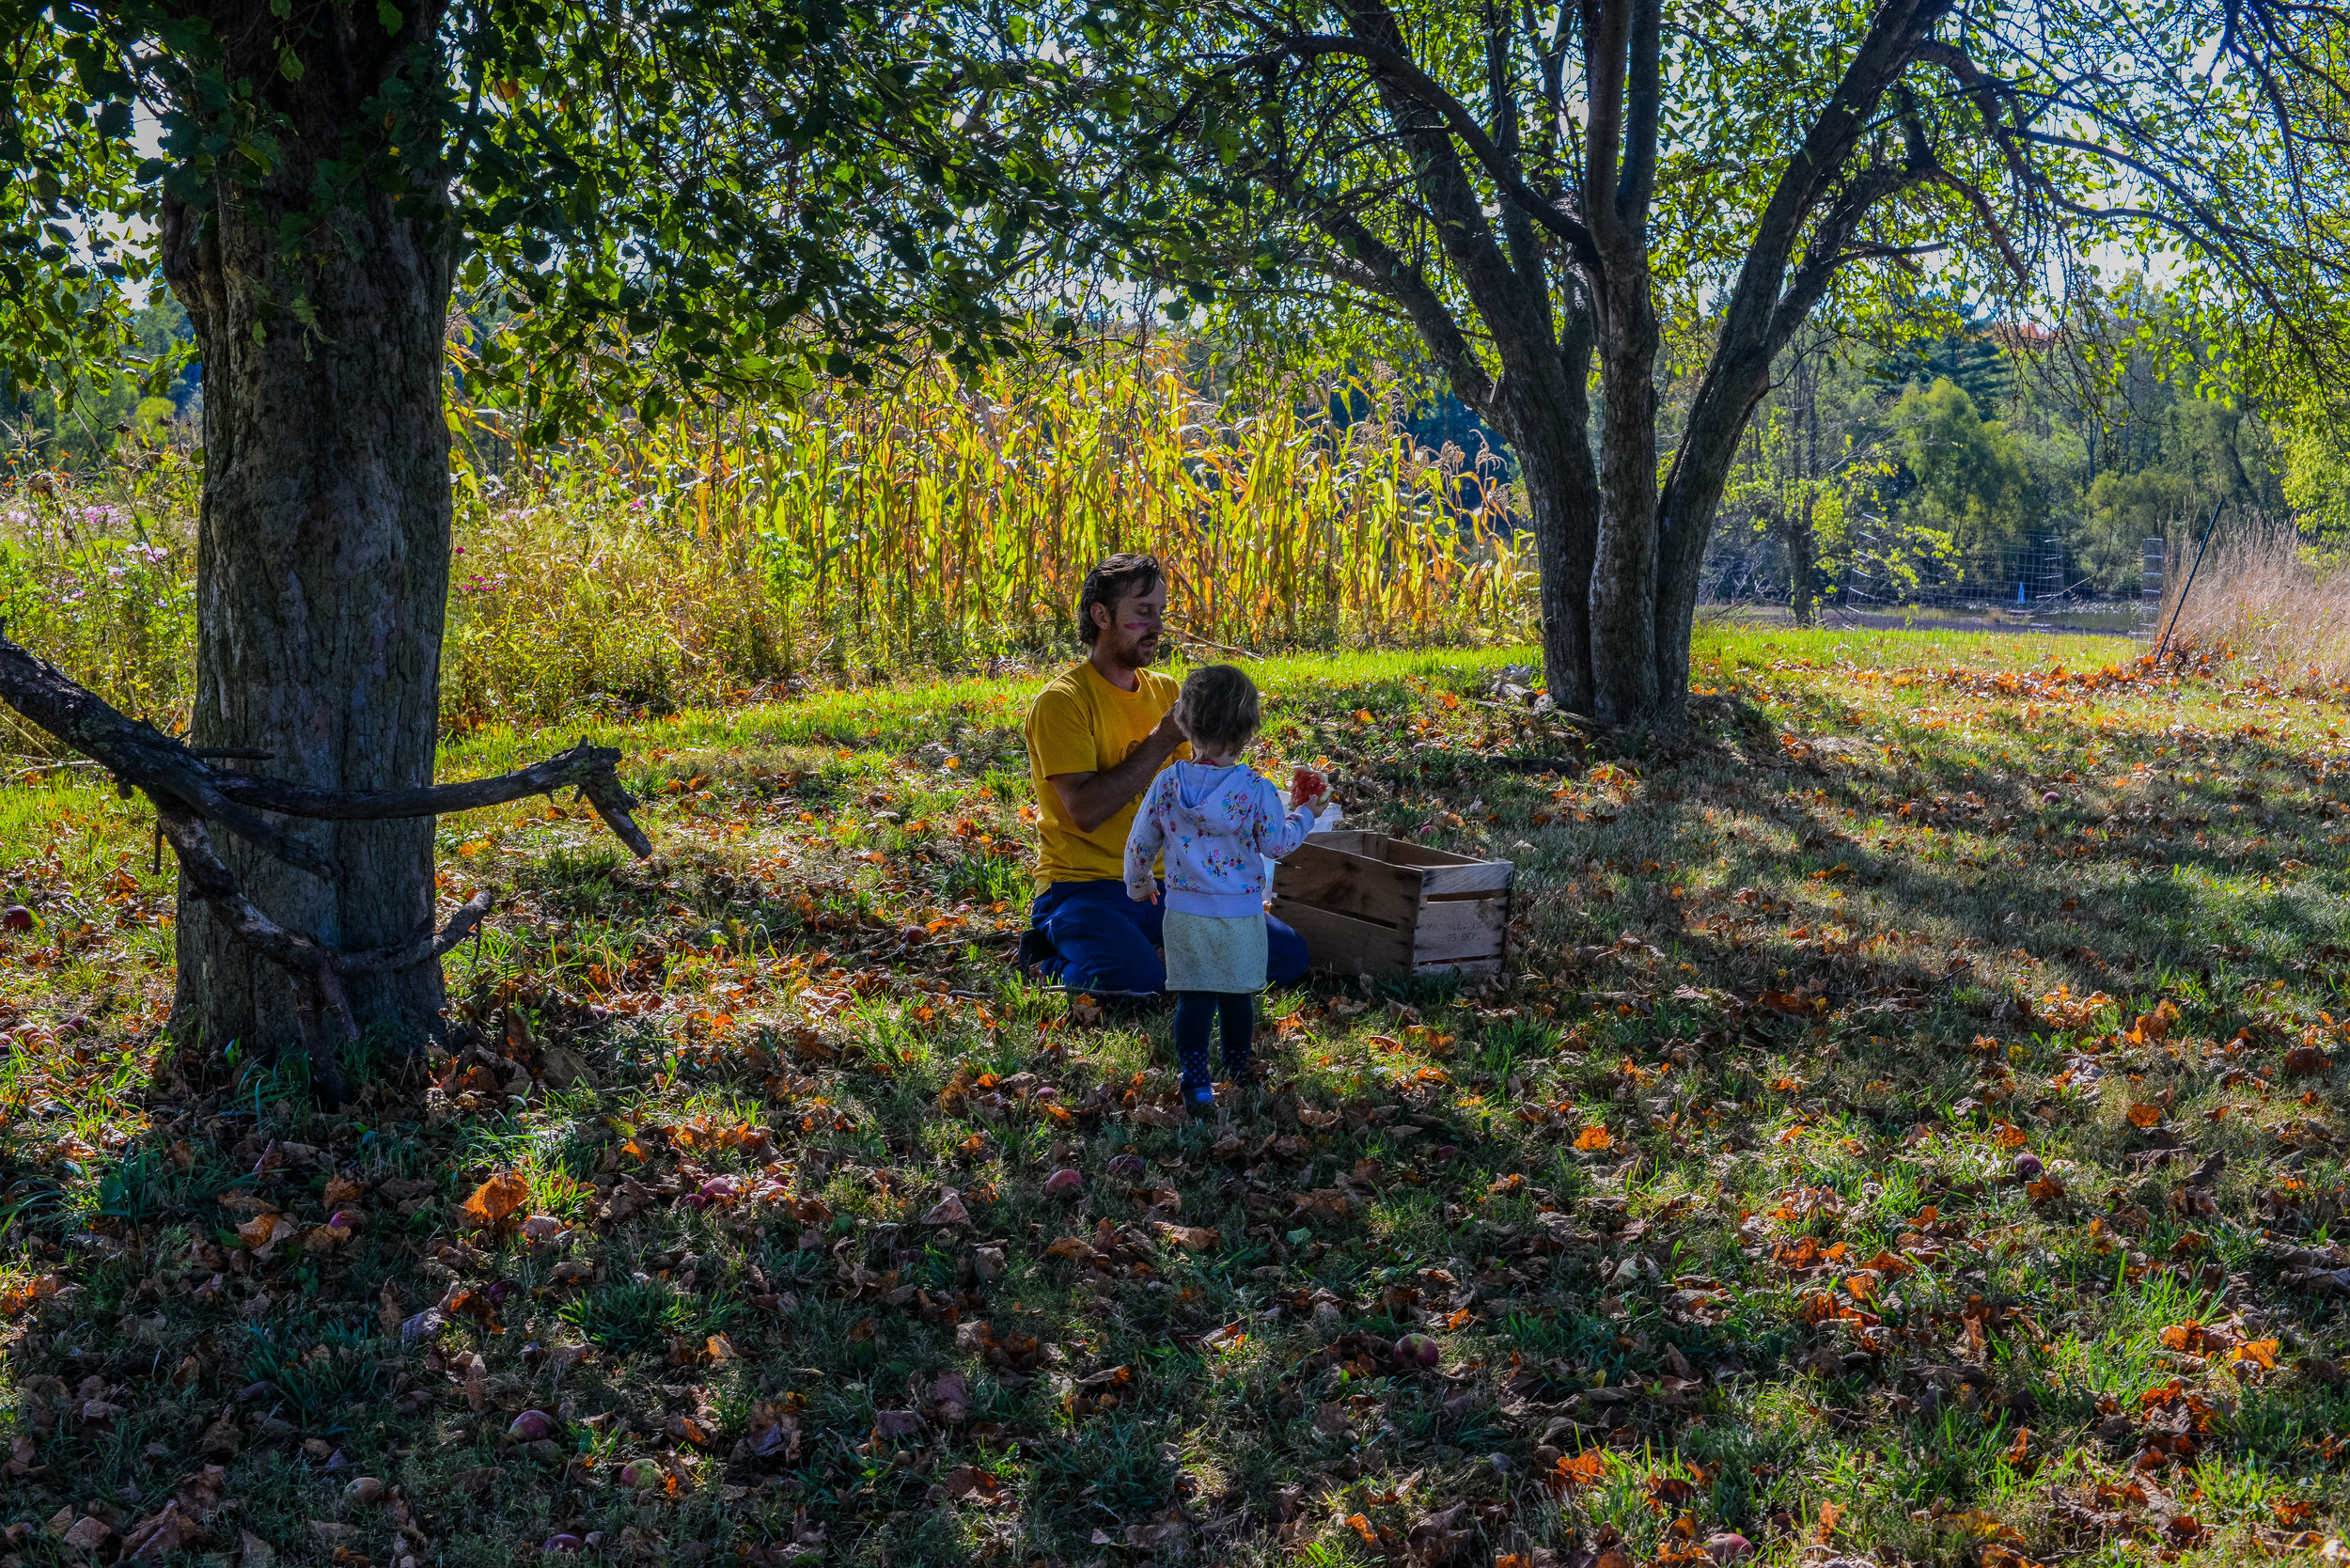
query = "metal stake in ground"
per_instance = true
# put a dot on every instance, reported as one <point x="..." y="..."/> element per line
<point x="2164" y="645"/>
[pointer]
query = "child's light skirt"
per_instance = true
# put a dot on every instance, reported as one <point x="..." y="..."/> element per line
<point x="1212" y="952"/>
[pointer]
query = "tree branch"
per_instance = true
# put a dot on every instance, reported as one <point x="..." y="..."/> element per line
<point x="136" y="752"/>
<point x="1400" y="72"/>
<point x="186" y="792"/>
<point x="589" y="768"/>
<point x="1644" y="101"/>
<point x="1377" y="267"/>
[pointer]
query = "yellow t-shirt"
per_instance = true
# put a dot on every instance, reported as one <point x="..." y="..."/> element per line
<point x="1082" y="724"/>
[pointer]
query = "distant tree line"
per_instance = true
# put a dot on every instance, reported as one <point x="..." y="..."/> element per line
<point x="1994" y="453"/>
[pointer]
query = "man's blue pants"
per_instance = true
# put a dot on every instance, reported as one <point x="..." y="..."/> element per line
<point x="1103" y="941"/>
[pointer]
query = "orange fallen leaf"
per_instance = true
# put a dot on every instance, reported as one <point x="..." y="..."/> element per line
<point x="2143" y="1115"/>
<point x="497" y="1200"/>
<point x="2262" y="1353"/>
<point x="1577" y="1469"/>
<point x="263" y="1232"/>
<point x="1595" y="1136"/>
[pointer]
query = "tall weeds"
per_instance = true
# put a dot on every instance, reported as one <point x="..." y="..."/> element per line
<point x="942" y="523"/>
<point x="2263" y="594"/>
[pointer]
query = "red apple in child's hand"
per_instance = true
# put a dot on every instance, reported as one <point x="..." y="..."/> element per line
<point x="1305" y="785"/>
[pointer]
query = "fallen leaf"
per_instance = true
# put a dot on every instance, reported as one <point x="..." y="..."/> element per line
<point x="949" y="1210"/>
<point x="497" y="1200"/>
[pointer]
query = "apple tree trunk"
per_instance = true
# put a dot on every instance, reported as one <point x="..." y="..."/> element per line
<point x="324" y="553"/>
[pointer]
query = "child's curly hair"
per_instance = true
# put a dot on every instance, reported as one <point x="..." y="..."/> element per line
<point x="1219" y="708"/>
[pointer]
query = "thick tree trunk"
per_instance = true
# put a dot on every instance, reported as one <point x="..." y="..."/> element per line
<point x="1542" y="410"/>
<point x="1563" y="497"/>
<point x="1628" y="686"/>
<point x="323" y="561"/>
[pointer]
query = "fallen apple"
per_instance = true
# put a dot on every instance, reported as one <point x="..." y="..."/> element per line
<point x="530" y="1426"/>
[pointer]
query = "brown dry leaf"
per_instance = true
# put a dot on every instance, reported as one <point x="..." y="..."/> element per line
<point x="2261" y="1352"/>
<point x="949" y="1210"/>
<point x="262" y="1233"/>
<point x="387" y="1310"/>
<point x="497" y="1200"/>
<point x="963" y="1479"/>
<point x="18" y="1297"/>
<point x="88" y="1533"/>
<point x="160" y="1534"/>
<point x="565" y="1068"/>
<point x="2143" y="1115"/>
<point x="1830" y="1513"/>
<point x="1595" y="1136"/>
<point x="1198" y="1238"/>
<point x="890" y="1425"/>
<point x="341" y="1192"/>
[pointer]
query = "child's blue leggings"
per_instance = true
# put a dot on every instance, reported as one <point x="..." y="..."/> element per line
<point x="1194" y="1011"/>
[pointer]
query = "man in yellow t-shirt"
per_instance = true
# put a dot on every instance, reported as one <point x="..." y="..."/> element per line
<point x="1097" y="736"/>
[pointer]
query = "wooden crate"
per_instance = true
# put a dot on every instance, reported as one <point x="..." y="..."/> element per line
<point x="1366" y="904"/>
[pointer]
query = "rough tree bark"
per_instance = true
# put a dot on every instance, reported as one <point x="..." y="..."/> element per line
<point x="189" y="793"/>
<point x="323" y="551"/>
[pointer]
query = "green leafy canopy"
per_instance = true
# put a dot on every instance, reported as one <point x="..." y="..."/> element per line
<point x="641" y="200"/>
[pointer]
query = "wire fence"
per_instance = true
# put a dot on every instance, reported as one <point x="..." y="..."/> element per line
<point x="1884" y="573"/>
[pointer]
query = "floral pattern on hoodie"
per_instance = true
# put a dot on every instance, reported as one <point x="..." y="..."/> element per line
<point x="1215" y="828"/>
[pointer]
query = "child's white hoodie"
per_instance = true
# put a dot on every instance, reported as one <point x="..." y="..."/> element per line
<point x="1219" y="829"/>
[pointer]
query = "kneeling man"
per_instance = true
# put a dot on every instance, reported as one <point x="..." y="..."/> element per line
<point x="1097" y="736"/>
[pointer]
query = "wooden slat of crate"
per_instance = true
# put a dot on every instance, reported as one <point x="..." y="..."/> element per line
<point x="1447" y="875"/>
<point x="1366" y="904"/>
<point x="1450" y="933"/>
<point x="1334" y="877"/>
<point x="1341" y="943"/>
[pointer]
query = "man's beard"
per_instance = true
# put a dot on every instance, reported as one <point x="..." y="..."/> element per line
<point x="1139" y="654"/>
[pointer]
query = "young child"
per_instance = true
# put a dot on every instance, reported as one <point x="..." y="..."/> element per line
<point x="1216" y="823"/>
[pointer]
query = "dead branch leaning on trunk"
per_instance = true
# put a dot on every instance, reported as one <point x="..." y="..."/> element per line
<point x="187" y="793"/>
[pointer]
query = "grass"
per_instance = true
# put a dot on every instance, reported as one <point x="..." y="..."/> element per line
<point x="1715" y="1208"/>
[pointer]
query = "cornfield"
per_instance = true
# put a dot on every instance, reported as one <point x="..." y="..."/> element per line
<point x="942" y="523"/>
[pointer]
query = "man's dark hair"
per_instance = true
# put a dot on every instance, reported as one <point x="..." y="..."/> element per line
<point x="1112" y="580"/>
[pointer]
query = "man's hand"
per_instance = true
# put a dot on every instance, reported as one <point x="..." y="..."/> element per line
<point x="1093" y="798"/>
